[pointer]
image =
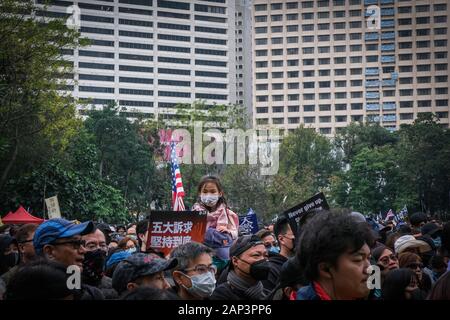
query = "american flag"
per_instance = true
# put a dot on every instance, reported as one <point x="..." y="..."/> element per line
<point x="177" y="184"/>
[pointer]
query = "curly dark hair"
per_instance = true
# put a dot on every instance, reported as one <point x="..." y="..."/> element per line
<point x="326" y="236"/>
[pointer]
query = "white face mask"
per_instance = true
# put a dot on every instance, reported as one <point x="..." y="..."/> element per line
<point x="203" y="285"/>
<point x="209" y="199"/>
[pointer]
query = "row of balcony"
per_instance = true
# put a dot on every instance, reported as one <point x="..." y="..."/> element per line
<point x="376" y="106"/>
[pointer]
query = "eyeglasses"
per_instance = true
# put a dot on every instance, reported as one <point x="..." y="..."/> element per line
<point x="414" y="266"/>
<point x="201" y="268"/>
<point x="96" y="245"/>
<point x="76" y="244"/>
<point x="385" y="260"/>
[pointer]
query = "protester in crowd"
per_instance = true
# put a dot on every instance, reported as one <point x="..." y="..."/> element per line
<point x="386" y="259"/>
<point x="441" y="289"/>
<point x="194" y="276"/>
<point x="24" y="238"/>
<point x="94" y="264"/>
<point x="41" y="279"/>
<point x="129" y="244"/>
<point x="401" y="284"/>
<point x="434" y="231"/>
<point x="112" y="260"/>
<point x="121" y="230"/>
<point x="427" y="255"/>
<point x="142" y="234"/>
<point x="409" y="243"/>
<point x="141" y="269"/>
<point x="391" y="238"/>
<point x="248" y="267"/>
<point x="9" y="253"/>
<point x="114" y="242"/>
<point x="276" y="259"/>
<point x="220" y="243"/>
<point x="142" y="237"/>
<point x="444" y="251"/>
<point x="290" y="281"/>
<point x="438" y="266"/>
<point x="417" y="221"/>
<point x="268" y="238"/>
<point x="107" y="231"/>
<point x="285" y="237"/>
<point x="413" y="261"/>
<point x="220" y="219"/>
<point x="4" y="229"/>
<point x="384" y="233"/>
<point x="131" y="232"/>
<point x="61" y="240"/>
<point x="334" y="255"/>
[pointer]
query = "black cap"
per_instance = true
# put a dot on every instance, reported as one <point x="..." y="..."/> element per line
<point x="432" y="229"/>
<point x="417" y="218"/>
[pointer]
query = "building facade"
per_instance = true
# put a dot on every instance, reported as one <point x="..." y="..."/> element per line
<point x="325" y="64"/>
<point x="150" y="55"/>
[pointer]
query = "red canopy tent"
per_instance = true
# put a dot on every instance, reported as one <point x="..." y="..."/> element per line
<point x="21" y="216"/>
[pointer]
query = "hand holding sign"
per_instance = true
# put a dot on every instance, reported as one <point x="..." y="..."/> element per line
<point x="296" y="214"/>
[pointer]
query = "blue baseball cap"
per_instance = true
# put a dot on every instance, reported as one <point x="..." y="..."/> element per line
<point x="54" y="229"/>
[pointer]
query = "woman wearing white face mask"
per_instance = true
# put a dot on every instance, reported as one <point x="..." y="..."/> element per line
<point x="194" y="275"/>
<point x="220" y="219"/>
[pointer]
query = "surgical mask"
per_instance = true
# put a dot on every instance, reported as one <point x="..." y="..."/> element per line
<point x="209" y="199"/>
<point x="437" y="242"/>
<point x="203" y="285"/>
<point x="132" y="236"/>
<point x="132" y="250"/>
<point x="274" y="249"/>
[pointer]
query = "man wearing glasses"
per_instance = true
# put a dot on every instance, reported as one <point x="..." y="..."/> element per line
<point x="24" y="237"/>
<point x="61" y="240"/>
<point x="94" y="264"/>
<point x="194" y="276"/>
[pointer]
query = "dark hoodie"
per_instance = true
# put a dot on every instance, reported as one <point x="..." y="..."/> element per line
<point x="276" y="261"/>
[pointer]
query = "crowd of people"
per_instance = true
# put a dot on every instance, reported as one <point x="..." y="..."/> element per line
<point x="336" y="255"/>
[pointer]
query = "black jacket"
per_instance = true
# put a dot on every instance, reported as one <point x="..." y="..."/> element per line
<point x="225" y="292"/>
<point x="276" y="261"/>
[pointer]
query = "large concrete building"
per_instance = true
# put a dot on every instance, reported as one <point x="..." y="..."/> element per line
<point x="149" y="55"/>
<point x="327" y="63"/>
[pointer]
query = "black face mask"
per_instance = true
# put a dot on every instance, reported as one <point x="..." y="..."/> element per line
<point x="260" y="270"/>
<point x="93" y="266"/>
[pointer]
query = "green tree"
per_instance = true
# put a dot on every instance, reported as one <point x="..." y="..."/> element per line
<point x="356" y="136"/>
<point x="32" y="109"/>
<point x="372" y="180"/>
<point x="424" y="159"/>
<point x="125" y="158"/>
<point x="309" y="158"/>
